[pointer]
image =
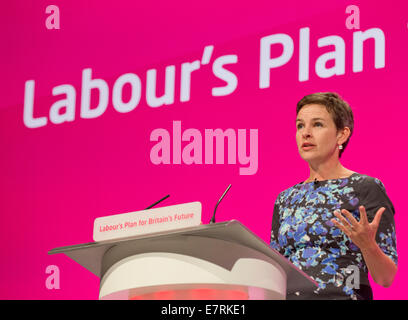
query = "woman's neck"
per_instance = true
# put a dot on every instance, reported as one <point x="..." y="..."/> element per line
<point x="327" y="172"/>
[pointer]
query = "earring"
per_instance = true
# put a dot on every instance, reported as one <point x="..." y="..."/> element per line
<point x="340" y="147"/>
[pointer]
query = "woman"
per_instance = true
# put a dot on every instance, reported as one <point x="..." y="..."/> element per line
<point x="338" y="225"/>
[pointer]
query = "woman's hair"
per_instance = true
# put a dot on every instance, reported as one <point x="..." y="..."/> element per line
<point x="336" y="106"/>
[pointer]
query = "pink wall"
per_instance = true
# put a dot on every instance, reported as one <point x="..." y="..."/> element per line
<point x="56" y="179"/>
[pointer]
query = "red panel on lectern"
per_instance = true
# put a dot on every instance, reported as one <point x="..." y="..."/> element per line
<point x="193" y="294"/>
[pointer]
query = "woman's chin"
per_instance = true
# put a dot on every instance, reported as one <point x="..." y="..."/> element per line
<point x="308" y="157"/>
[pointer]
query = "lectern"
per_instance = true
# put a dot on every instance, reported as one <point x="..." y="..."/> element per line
<point x="216" y="261"/>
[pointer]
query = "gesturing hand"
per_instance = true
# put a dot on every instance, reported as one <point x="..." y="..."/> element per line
<point x="361" y="233"/>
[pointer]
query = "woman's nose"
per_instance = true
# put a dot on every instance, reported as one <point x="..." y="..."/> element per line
<point x="306" y="132"/>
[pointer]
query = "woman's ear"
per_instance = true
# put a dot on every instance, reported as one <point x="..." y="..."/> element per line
<point x="343" y="135"/>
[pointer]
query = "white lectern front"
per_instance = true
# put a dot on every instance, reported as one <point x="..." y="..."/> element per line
<point x="217" y="261"/>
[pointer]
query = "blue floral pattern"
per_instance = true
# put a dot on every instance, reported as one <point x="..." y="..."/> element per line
<point x="303" y="233"/>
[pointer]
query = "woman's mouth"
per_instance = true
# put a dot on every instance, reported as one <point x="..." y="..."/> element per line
<point x="307" y="146"/>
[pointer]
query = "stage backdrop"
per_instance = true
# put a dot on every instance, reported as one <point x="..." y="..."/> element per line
<point x="107" y="106"/>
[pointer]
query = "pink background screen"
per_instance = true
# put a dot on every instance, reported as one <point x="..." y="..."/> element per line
<point x="56" y="179"/>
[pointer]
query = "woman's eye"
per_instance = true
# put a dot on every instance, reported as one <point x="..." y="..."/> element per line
<point x="299" y="126"/>
<point x="318" y="124"/>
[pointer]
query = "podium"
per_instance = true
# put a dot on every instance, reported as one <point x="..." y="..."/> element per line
<point x="218" y="261"/>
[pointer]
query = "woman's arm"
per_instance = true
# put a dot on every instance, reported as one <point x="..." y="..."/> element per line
<point x="381" y="267"/>
<point x="362" y="233"/>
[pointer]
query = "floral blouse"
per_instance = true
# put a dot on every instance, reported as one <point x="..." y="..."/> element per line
<point x="303" y="233"/>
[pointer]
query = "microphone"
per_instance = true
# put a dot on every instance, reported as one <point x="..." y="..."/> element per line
<point x="157" y="202"/>
<point x="225" y="192"/>
<point x="316" y="182"/>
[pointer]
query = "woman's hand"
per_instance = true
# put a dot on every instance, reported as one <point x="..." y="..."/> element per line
<point x="361" y="233"/>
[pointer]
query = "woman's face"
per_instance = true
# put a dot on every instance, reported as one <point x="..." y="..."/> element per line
<point x="316" y="134"/>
